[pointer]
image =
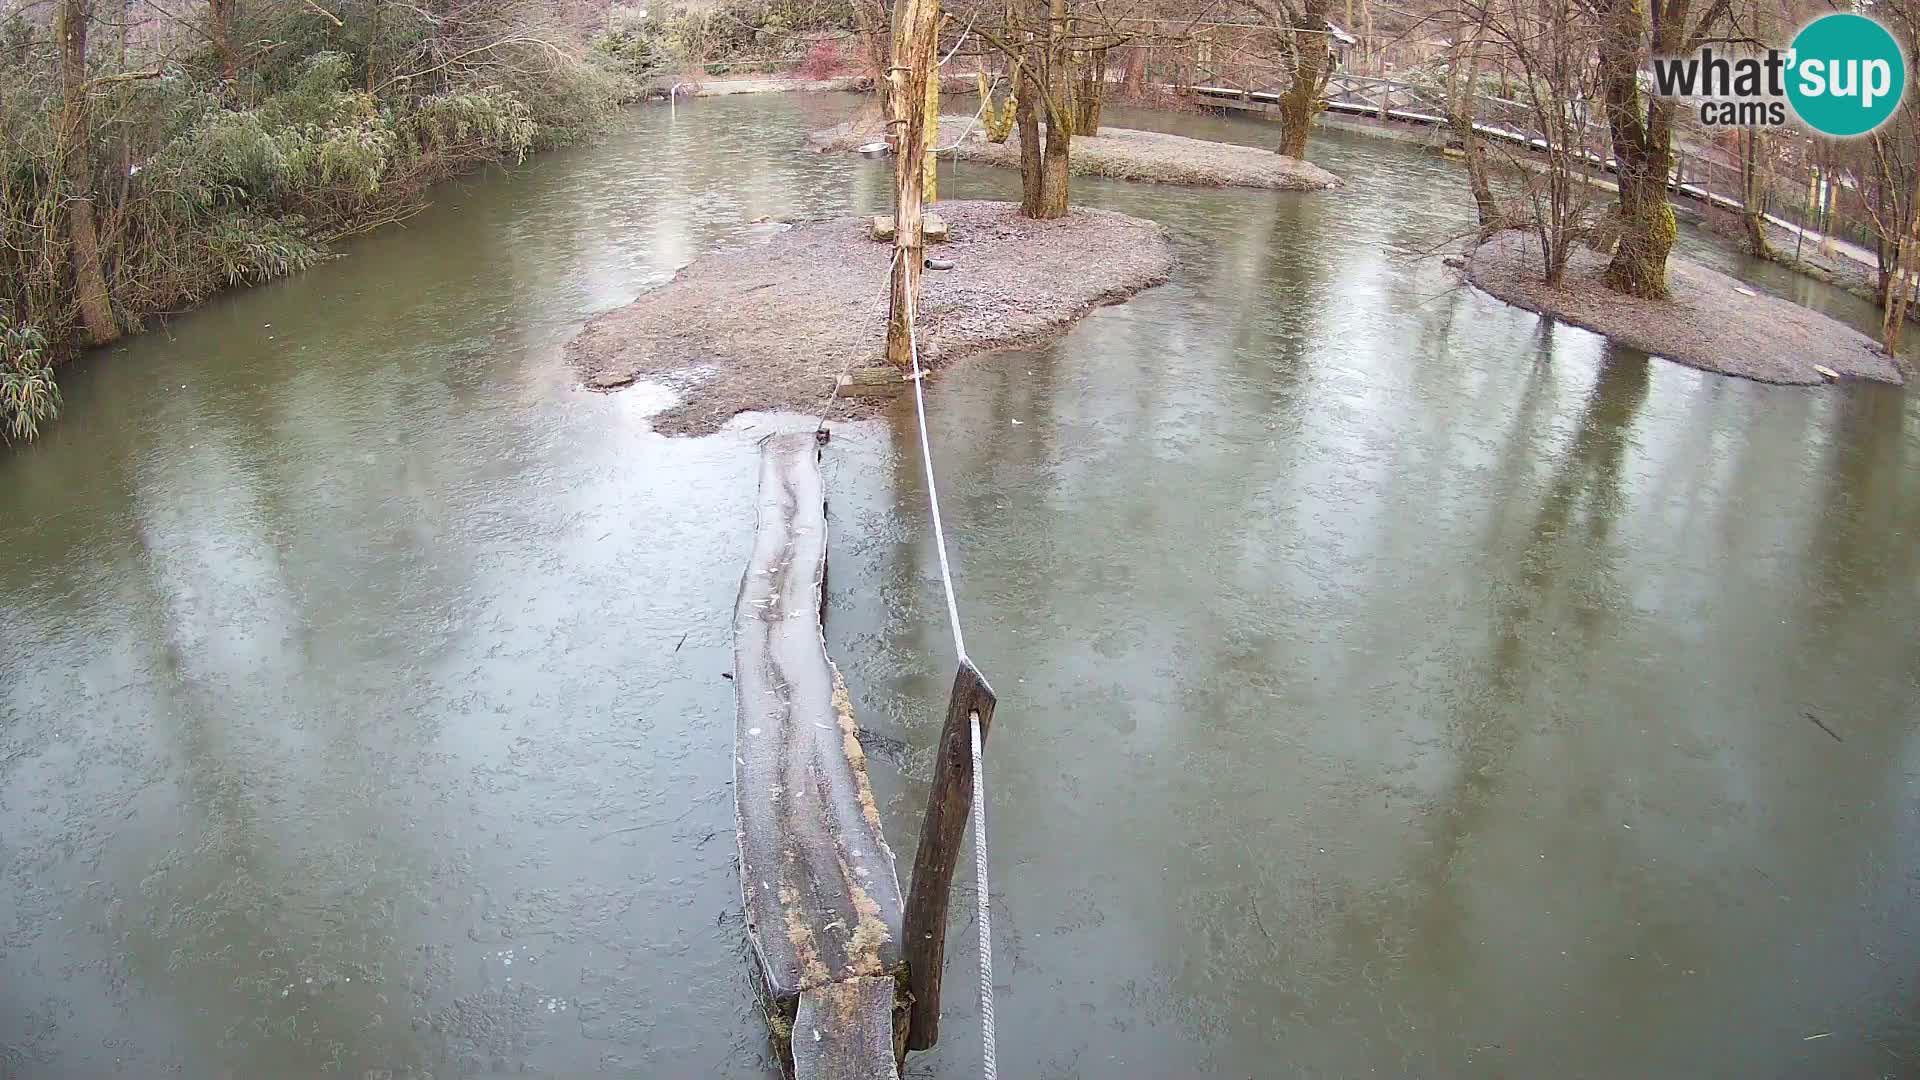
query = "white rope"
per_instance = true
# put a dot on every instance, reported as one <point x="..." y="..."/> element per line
<point x="933" y="494"/>
<point x="977" y="114"/>
<point x="990" y="1068"/>
<point x="984" y="98"/>
<point x="956" y="46"/>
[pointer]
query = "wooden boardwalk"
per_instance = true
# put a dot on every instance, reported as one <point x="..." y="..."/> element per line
<point x="823" y="902"/>
<point x="1387" y="100"/>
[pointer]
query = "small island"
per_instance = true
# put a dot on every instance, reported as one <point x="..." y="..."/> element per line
<point x="1116" y="154"/>
<point x="774" y="324"/>
<point x="1710" y="322"/>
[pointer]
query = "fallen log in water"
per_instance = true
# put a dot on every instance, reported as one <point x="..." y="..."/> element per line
<point x="823" y="905"/>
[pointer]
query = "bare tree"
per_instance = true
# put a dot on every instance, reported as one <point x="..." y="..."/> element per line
<point x="1044" y="42"/>
<point x="1546" y="46"/>
<point x="1894" y="190"/>
<point x="1756" y="183"/>
<point x="1305" y="54"/>
<point x="72" y="19"/>
<point x="1755" y="145"/>
<point x="1905" y="275"/>
<point x="1090" y="91"/>
<point x="870" y="17"/>
<point x="1463" y="91"/>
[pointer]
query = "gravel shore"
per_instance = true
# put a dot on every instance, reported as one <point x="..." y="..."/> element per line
<point x="773" y="324"/>
<point x="1711" y="322"/>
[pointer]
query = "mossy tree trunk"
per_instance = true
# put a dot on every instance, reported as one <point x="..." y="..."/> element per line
<point x="72" y="18"/>
<point x="997" y="119"/>
<point x="1641" y="129"/>
<point x="1647" y="231"/>
<point x="1312" y="62"/>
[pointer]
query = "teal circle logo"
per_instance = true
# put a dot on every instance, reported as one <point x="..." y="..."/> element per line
<point x="1846" y="74"/>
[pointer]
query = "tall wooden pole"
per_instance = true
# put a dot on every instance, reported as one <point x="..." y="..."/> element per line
<point x="916" y="31"/>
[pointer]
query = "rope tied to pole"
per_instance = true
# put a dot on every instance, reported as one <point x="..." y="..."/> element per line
<point x="982" y="915"/>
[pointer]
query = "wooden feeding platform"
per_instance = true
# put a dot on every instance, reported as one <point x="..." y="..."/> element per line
<point x="932" y="228"/>
<point x="822" y="898"/>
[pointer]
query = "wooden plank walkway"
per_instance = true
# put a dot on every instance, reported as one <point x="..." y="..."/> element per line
<point x="845" y="1031"/>
<point x="823" y="903"/>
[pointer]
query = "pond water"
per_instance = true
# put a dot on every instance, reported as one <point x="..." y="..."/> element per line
<point x="1392" y="682"/>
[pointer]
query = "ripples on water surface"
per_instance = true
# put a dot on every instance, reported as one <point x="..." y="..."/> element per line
<point x="1391" y="683"/>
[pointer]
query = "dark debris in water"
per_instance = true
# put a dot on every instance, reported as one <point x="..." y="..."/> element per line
<point x="885" y="747"/>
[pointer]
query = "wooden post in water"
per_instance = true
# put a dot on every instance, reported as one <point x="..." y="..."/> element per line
<point x="949" y="802"/>
<point x="915" y="37"/>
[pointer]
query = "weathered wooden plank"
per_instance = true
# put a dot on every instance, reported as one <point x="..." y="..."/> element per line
<point x="844" y="1031"/>
<point x="870" y="382"/>
<point x="949" y="802"/>
<point x="821" y="895"/>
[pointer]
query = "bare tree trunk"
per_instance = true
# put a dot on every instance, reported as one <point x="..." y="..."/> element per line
<point x="1756" y="177"/>
<point x="1027" y="117"/>
<point x="1312" y="65"/>
<point x="219" y="22"/>
<point x="915" y="37"/>
<point x="1906" y="270"/>
<point x="870" y="20"/>
<point x="1135" y="67"/>
<point x="373" y="45"/>
<point x="76" y="159"/>
<point x="1754" y="182"/>
<point x="1460" y="114"/>
<point x="1092" y="88"/>
<point x="1055" y="172"/>
<point x="123" y="168"/>
<point x="1369" y="44"/>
